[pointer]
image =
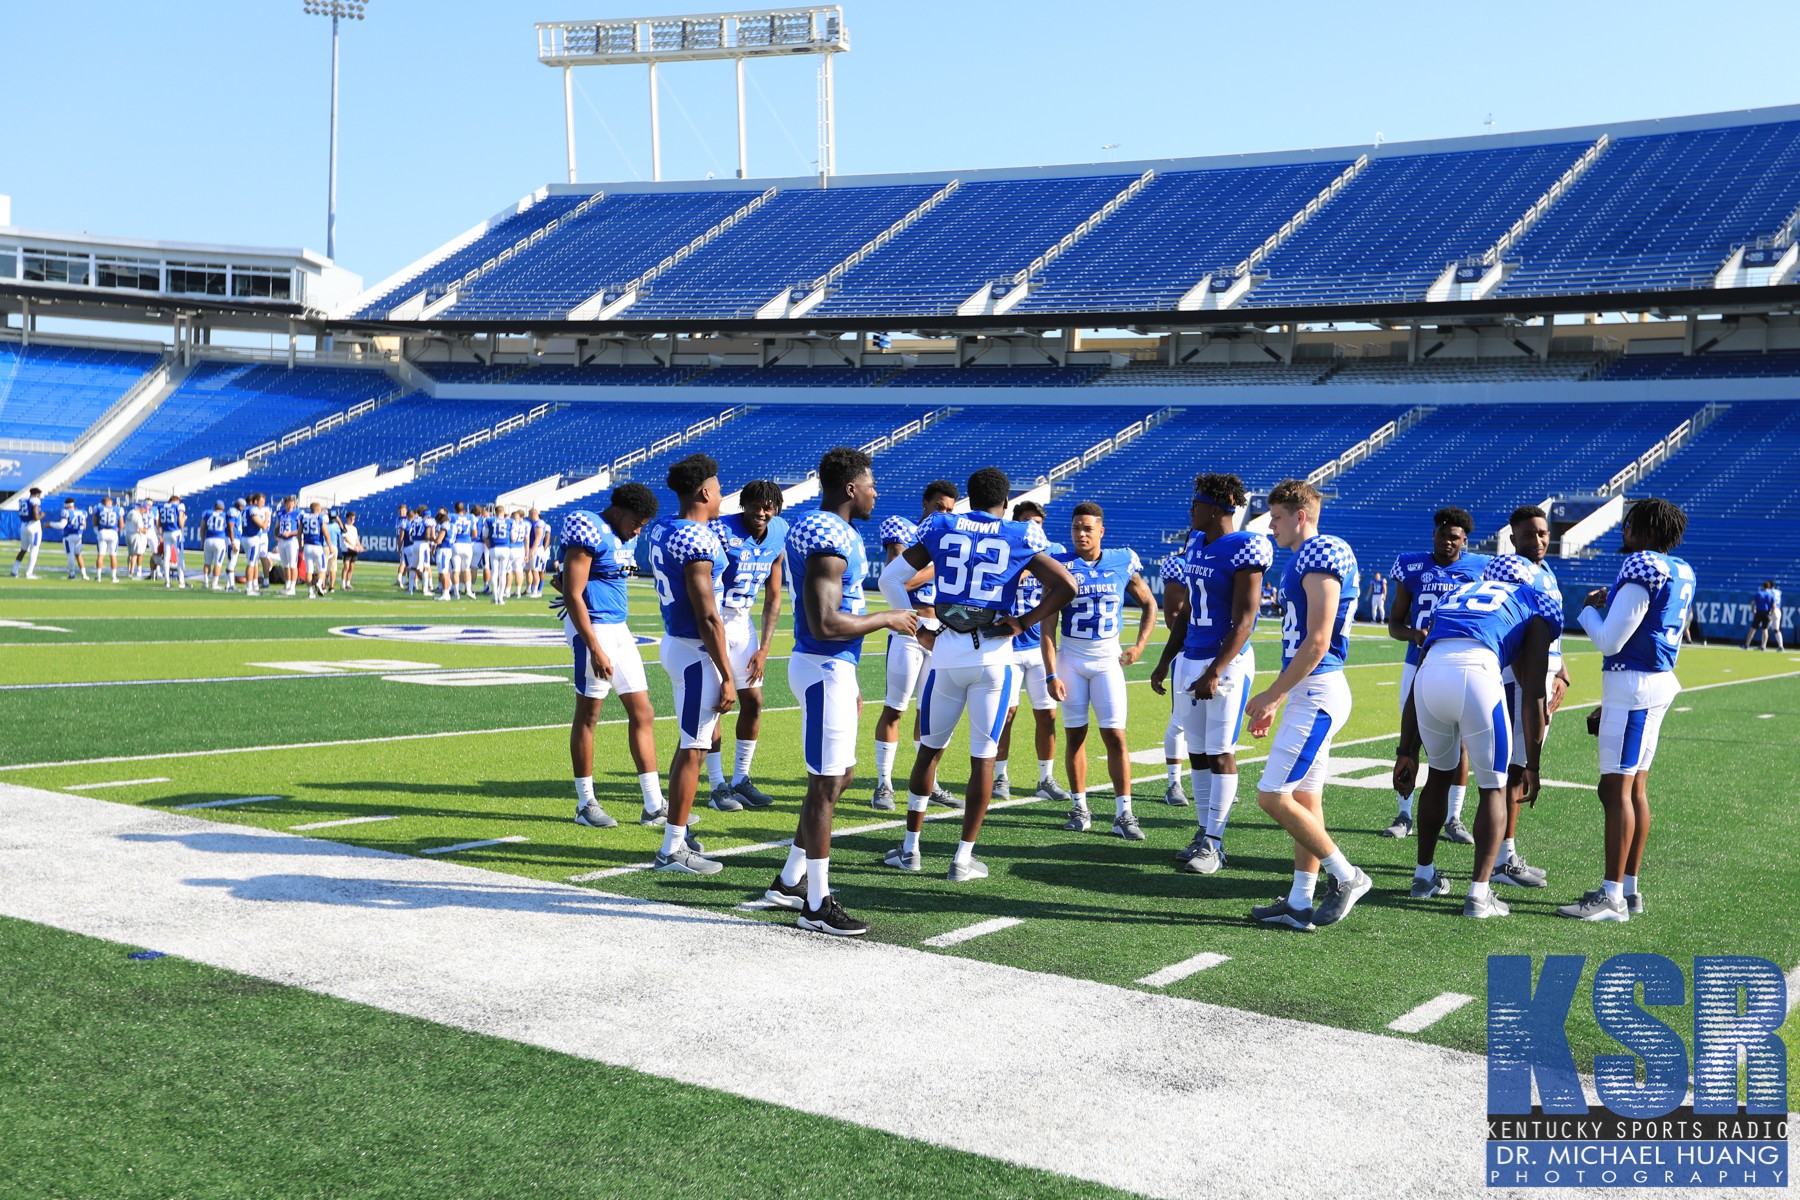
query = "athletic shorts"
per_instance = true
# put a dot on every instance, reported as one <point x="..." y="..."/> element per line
<point x="621" y="648"/>
<point x="696" y="683"/>
<point x="315" y="561"/>
<point x="905" y="664"/>
<point x="445" y="559"/>
<point x="478" y="555"/>
<point x="1408" y="672"/>
<point x="351" y="556"/>
<point x="107" y="541"/>
<point x="418" y="556"/>
<point x="1515" y="708"/>
<point x="1300" y="756"/>
<point x="214" y="551"/>
<point x="1213" y="726"/>
<point x="461" y="555"/>
<point x="1460" y="702"/>
<point x="540" y="558"/>
<point x="830" y="702"/>
<point x="1033" y="680"/>
<point x="741" y="642"/>
<point x="257" y="547"/>
<point x="31" y="533"/>
<point x="1632" y="705"/>
<point x="142" y="543"/>
<point x="289" y="553"/>
<point x="1759" y="620"/>
<point x="1093" y="678"/>
<point x="72" y="543"/>
<point x="983" y="690"/>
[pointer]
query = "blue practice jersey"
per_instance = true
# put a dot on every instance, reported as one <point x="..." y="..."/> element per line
<point x="820" y="532"/>
<point x="604" y="595"/>
<point x="214" y="523"/>
<point x="418" y="530"/>
<point x="1029" y="595"/>
<point x="287" y="523"/>
<point x="462" y="529"/>
<point x="31" y="509"/>
<point x="540" y="532"/>
<point x="667" y="547"/>
<point x="518" y="532"/>
<point x="106" y="517"/>
<point x="1428" y="582"/>
<point x="234" y="522"/>
<point x="1093" y="615"/>
<point x="1320" y="554"/>
<point x="1494" y="614"/>
<point x="1763" y="600"/>
<point x="1210" y="571"/>
<point x="74" y="522"/>
<point x="312" y="528"/>
<point x="979" y="557"/>
<point x="1655" y="643"/>
<point x="172" y="515"/>
<point x="253" y="513"/>
<point x="898" y="531"/>
<point x="748" y="563"/>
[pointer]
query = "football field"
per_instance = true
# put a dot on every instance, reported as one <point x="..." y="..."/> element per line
<point x="439" y="730"/>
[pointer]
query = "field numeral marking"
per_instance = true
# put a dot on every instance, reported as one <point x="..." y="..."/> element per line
<point x="1429" y="1013"/>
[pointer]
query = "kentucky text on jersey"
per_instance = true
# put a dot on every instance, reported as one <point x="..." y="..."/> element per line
<point x="1093" y="615"/>
<point x="748" y="562"/>
<point x="1320" y="554"/>
<point x="1429" y="582"/>
<point x="1210" y="571"/>
<point x="825" y="533"/>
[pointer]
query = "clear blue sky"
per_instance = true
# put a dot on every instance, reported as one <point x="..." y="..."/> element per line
<point x="205" y="120"/>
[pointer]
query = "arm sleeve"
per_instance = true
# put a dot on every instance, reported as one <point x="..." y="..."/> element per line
<point x="893" y="582"/>
<point x="1628" y="609"/>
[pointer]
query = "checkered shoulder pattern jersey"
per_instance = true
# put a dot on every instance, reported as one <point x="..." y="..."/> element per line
<point x="1509" y="568"/>
<point x="898" y="531"/>
<point x="692" y="541"/>
<point x="1170" y="569"/>
<point x="1326" y="555"/>
<point x="1256" y="552"/>
<point x="820" y="532"/>
<point x="1646" y="568"/>
<point x="825" y="533"/>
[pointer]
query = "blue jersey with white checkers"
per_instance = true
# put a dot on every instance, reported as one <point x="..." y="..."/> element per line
<point x="1493" y="613"/>
<point x="898" y="531"/>
<point x="748" y="563"/>
<point x="1210" y="571"/>
<point x="1094" y="614"/>
<point x="1429" y="582"/>
<point x="215" y="523"/>
<point x="613" y="560"/>
<point x="822" y="532"/>
<point x="979" y="557"/>
<point x="1656" y="642"/>
<point x="1029" y="595"/>
<point x="667" y="547"/>
<point x="1320" y="554"/>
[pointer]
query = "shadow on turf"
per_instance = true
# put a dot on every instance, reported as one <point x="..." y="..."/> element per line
<point x="411" y="894"/>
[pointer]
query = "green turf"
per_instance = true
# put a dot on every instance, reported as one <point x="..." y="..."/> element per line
<point x="170" y="1078"/>
<point x="1093" y="906"/>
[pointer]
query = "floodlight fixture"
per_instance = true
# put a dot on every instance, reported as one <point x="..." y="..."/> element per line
<point x="698" y="37"/>
<point x="337" y="10"/>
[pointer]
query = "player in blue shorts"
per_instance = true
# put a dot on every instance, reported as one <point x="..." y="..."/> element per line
<point x="1420" y="578"/>
<point x="1458" y="708"/>
<point x="688" y="563"/>
<point x="1033" y="685"/>
<point x="599" y="551"/>
<point x="1319" y="589"/>
<point x="1093" y="662"/>
<point x="754" y="539"/>
<point x="905" y="656"/>
<point x="1636" y="625"/>
<point x="978" y="557"/>
<point x="825" y="566"/>
<point x="1222" y="570"/>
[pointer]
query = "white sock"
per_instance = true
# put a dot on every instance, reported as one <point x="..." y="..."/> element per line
<point x="1121" y="804"/>
<point x="917" y="803"/>
<point x="1339" y="866"/>
<point x="1424" y="871"/>
<point x="795" y="868"/>
<point x="1301" y="894"/>
<point x="740" y="767"/>
<point x="673" y="836"/>
<point x="1506" y="852"/>
<point x="910" y="843"/>
<point x="584" y="791"/>
<point x="1081" y="799"/>
<point x="1406" y="806"/>
<point x="1614" y="891"/>
<point x="965" y="851"/>
<point x="1174" y="773"/>
<point x="818" y="882"/>
<point x="999" y="771"/>
<point x="885" y="752"/>
<point x="715" y="768"/>
<point x="650" y="786"/>
<point x="1457" y="792"/>
<point x="1224" y="795"/>
<point x="1046" y="770"/>
<point x="1629" y="884"/>
<point x="1478" y="890"/>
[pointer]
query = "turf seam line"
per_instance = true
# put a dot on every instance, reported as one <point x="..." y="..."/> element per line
<point x="227" y="803"/>
<point x="475" y="845"/>
<point x="338" y="822"/>
<point x="1429" y="1013"/>
<point x="956" y="937"/>
<point x="1176" y="972"/>
<point x="84" y="787"/>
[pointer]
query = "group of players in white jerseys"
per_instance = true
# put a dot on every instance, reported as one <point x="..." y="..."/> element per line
<point x="508" y="550"/>
<point x="985" y="612"/>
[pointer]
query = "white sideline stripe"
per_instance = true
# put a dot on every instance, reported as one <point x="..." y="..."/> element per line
<point x="227" y="803"/>
<point x="344" y="821"/>
<point x="1429" y="1013"/>
<point x="968" y="933"/>
<point x="1188" y="966"/>
<point x="1765" y="716"/>
<point x="349" y="674"/>
<point x="756" y="905"/>
<point x="86" y="787"/>
<point x="515" y="837"/>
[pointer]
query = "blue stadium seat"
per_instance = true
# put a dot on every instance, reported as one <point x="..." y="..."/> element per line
<point x="53" y="393"/>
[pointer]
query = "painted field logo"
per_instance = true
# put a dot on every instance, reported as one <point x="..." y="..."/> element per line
<point x="536" y="637"/>
<point x="1645" y="1134"/>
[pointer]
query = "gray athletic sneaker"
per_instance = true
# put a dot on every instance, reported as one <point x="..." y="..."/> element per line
<point x="1340" y="898"/>
<point x="1525" y="867"/>
<point x="1516" y="874"/>
<point x="1049" y="789"/>
<point x="1487" y="906"/>
<point x="1402" y="827"/>
<point x="883" y="800"/>
<point x="963" y="872"/>
<point x="750" y="794"/>
<point x="1079" y="819"/>
<point x="1187" y="852"/>
<point x="941" y="797"/>
<point x="1208" y="860"/>
<point x="1456" y="831"/>
<point x="1634" y="903"/>
<point x="1125" y="825"/>
<point x="1595" y="906"/>
<point x="899" y="859"/>
<point x="1174" y="797"/>
<point x="1437" y="885"/>
<point x="725" y="800"/>
<point x="658" y="818"/>
<point x="1285" y="914"/>
<point x="687" y="862"/>
<point x="1002" y="788"/>
<point x="595" y="816"/>
<point x="693" y="843"/>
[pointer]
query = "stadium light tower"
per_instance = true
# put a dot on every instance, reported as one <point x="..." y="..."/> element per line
<point x="349" y="10"/>
<point x="734" y="36"/>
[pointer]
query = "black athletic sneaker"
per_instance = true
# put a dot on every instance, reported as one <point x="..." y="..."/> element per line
<point x="831" y="918"/>
<point x="786" y="895"/>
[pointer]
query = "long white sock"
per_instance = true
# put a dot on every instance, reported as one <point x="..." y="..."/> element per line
<point x="584" y="791"/>
<point x="1457" y="792"/>
<point x="715" y="768"/>
<point x="885" y="753"/>
<point x="1173" y="770"/>
<point x="818" y="882"/>
<point x="795" y="868"/>
<point x="1224" y="795"/>
<point x="650" y="787"/>
<point x="1629" y="885"/>
<point x="1121" y="804"/>
<point x="740" y="767"/>
<point x="1507" y="851"/>
<point x="1081" y="799"/>
<point x="1000" y="771"/>
<point x="1339" y="866"/>
<point x="909" y="843"/>
<point x="1301" y="894"/>
<point x="965" y="851"/>
<point x="1046" y="770"/>
<point x="1406" y="806"/>
<point x="673" y="836"/>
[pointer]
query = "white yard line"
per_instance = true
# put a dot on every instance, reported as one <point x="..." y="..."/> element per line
<point x="499" y="841"/>
<point x="967" y="933"/>
<point x="88" y="787"/>
<point x="422" y="668"/>
<point x="338" y="823"/>
<point x="1429" y="1013"/>
<point x="1188" y="966"/>
<point x="227" y="803"/>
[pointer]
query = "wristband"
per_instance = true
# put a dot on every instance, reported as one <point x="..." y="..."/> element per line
<point x="930" y="624"/>
<point x="1049" y="677"/>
